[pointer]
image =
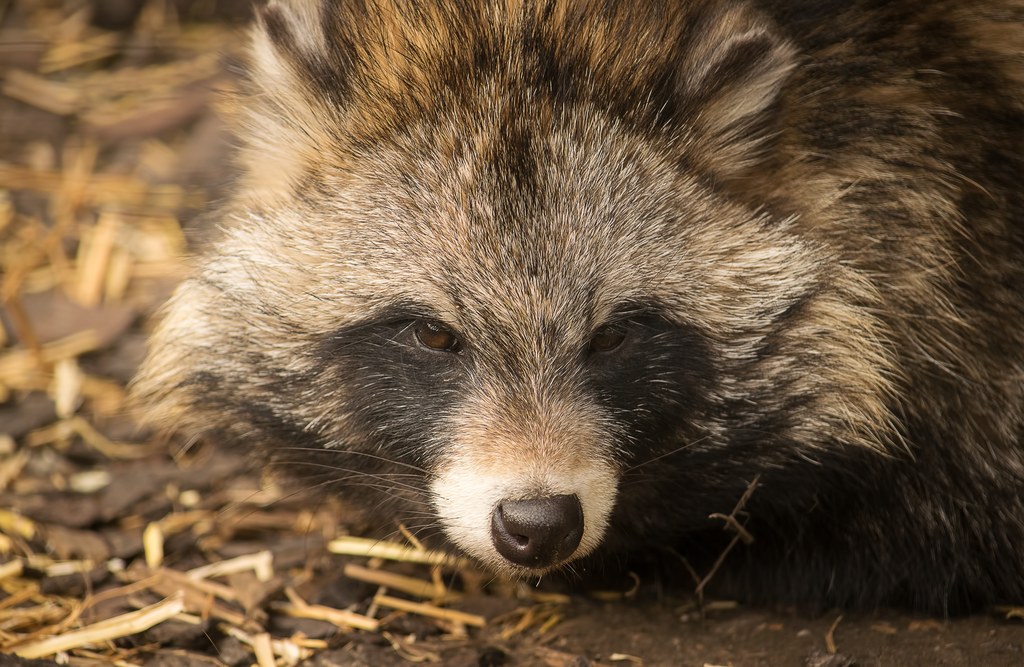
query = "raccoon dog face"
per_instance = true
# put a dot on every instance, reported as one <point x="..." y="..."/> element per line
<point x="483" y="267"/>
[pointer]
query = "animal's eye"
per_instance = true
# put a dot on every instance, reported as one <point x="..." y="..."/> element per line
<point x="436" y="337"/>
<point x="607" y="339"/>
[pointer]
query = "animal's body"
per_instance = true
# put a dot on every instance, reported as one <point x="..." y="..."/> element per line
<point x="554" y="280"/>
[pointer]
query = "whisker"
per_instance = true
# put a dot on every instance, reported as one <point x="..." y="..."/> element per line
<point x="340" y="452"/>
<point x="355" y="474"/>
<point x="383" y="487"/>
<point x="667" y="454"/>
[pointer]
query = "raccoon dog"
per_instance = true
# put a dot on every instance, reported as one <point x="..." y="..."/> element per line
<point x="554" y="280"/>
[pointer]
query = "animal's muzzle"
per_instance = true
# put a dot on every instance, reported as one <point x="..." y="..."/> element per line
<point x="537" y="532"/>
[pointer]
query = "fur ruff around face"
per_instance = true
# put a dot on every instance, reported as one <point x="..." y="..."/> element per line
<point x="482" y="255"/>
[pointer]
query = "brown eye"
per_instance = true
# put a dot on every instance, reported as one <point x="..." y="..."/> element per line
<point x="437" y="337"/>
<point x="607" y="339"/>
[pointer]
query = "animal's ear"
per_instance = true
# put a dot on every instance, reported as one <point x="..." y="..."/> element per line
<point x="290" y="48"/>
<point x="294" y="87"/>
<point x="730" y="81"/>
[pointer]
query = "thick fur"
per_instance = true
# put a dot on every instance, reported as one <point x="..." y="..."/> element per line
<point x="805" y="216"/>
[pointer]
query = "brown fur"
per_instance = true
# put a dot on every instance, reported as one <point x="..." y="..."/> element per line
<point x="812" y="209"/>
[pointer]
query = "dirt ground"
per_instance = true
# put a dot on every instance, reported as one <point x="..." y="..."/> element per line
<point x="111" y="147"/>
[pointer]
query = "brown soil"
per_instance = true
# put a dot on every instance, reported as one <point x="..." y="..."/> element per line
<point x="101" y="180"/>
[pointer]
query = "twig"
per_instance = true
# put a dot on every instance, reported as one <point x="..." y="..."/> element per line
<point x="299" y="608"/>
<point x="410" y="585"/>
<point x="830" y="636"/>
<point x="430" y="610"/>
<point x="119" y="626"/>
<point x="261" y="563"/>
<point x="741" y="534"/>
<point x="359" y="546"/>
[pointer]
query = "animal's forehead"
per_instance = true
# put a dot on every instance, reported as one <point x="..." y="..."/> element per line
<point x="578" y="186"/>
<point x="560" y="237"/>
<point x="516" y="268"/>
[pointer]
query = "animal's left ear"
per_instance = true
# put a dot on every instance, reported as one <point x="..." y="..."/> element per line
<point x="729" y="85"/>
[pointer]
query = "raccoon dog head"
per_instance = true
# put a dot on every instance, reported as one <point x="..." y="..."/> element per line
<point x="481" y="266"/>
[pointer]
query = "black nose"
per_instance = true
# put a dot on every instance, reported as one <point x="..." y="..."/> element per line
<point x="537" y="532"/>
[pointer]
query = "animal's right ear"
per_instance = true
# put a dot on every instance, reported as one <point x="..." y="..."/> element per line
<point x="729" y="84"/>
